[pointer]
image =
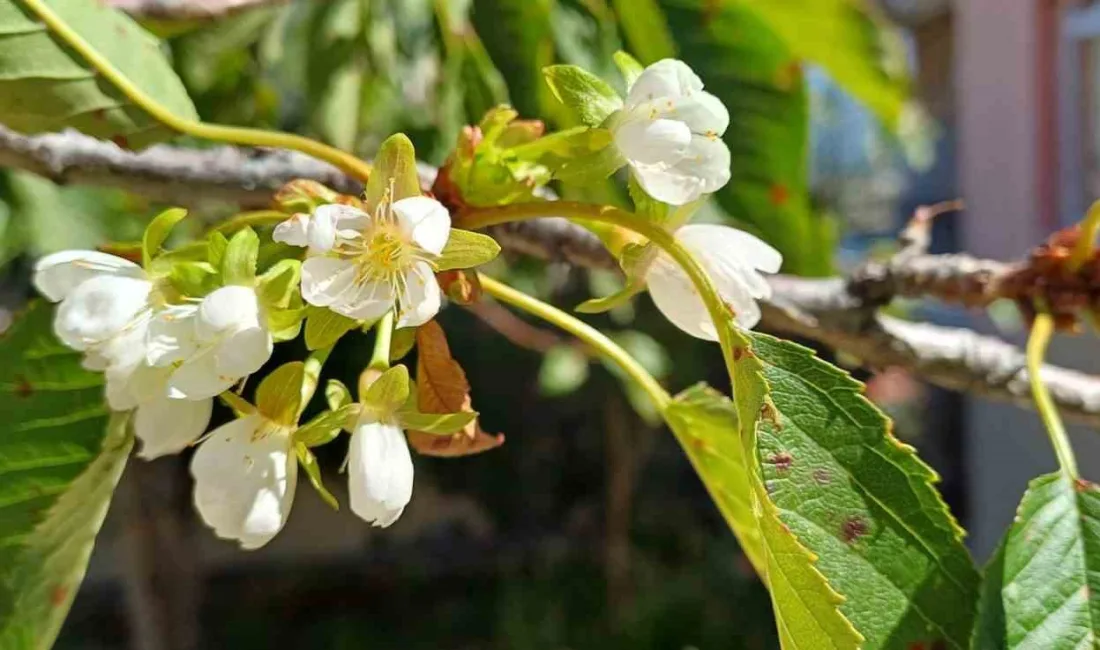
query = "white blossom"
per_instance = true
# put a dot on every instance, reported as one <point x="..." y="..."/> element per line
<point x="211" y="345"/>
<point x="245" y="475"/>
<point x="107" y="304"/>
<point x="362" y="266"/>
<point x="734" y="261"/>
<point x="380" y="471"/>
<point x="669" y="131"/>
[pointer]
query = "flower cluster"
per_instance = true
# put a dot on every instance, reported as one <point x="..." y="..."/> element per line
<point x="193" y="324"/>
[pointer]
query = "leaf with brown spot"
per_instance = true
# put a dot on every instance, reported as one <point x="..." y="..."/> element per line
<point x="441" y="387"/>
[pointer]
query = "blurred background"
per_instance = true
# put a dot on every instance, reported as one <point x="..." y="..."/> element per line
<point x="588" y="528"/>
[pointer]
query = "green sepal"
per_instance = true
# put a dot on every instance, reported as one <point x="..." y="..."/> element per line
<point x="324" y="327"/>
<point x="402" y="343"/>
<point x="386" y="394"/>
<point x="161" y="265"/>
<point x="308" y="462"/>
<point x="337" y="394"/>
<point x="466" y="249"/>
<point x="635" y="260"/>
<point x="239" y="263"/>
<point x="193" y="279"/>
<point x="396" y="164"/>
<point x="590" y="98"/>
<point x="216" y="245"/>
<point x="157" y="232"/>
<point x="239" y="405"/>
<point x="572" y="154"/>
<point x="440" y="424"/>
<point x="495" y="121"/>
<point x="301" y="195"/>
<point x="607" y="303"/>
<point x="628" y="66"/>
<point x="279" y="396"/>
<point x="286" y="324"/>
<point x="324" y="428"/>
<point x="279" y="284"/>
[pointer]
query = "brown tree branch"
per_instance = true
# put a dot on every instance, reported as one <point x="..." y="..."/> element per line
<point x="841" y="313"/>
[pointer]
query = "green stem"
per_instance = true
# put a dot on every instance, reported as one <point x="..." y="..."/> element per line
<point x="383" y="333"/>
<point x="1089" y="227"/>
<point x="312" y="375"/>
<point x="1041" y="331"/>
<point x="475" y="218"/>
<point x="237" y="135"/>
<point x="590" y="335"/>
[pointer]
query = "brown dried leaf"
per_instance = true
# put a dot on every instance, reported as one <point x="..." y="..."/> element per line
<point x="461" y="286"/>
<point x="441" y="387"/>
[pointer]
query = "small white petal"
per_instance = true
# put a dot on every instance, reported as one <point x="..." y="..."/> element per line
<point x="198" y="377"/>
<point x="94" y="361"/>
<point x="127" y="387"/>
<point x="172" y="335"/>
<point x="57" y="275"/>
<point x="99" y="309"/>
<point x="380" y="473"/>
<point x="243" y="352"/>
<point x="325" y="279"/>
<point x="665" y="78"/>
<point x="227" y="310"/>
<point x="168" y="426"/>
<point x="426" y="220"/>
<point x="704" y="168"/>
<point x="342" y="217"/>
<point x="366" y="301"/>
<point x="642" y="140"/>
<point x="244" y="481"/>
<point x="675" y="296"/>
<point x="422" y="297"/>
<point x="294" y="231"/>
<point x="726" y="242"/>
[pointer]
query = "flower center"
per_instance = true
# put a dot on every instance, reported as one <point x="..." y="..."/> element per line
<point x="387" y="250"/>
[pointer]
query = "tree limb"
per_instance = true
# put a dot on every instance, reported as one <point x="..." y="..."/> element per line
<point x="841" y="313"/>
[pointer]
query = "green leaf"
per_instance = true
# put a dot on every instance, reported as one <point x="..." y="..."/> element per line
<point x="60" y="461"/>
<point x="325" y="427"/>
<point x="239" y="263"/>
<point x="590" y="98"/>
<point x="157" y="231"/>
<point x="279" y="397"/>
<point x="440" y="424"/>
<point x="759" y="79"/>
<point x="564" y="370"/>
<point x="387" y="393"/>
<point x="286" y="324"/>
<point x="337" y="394"/>
<point x="325" y="327"/>
<point x="859" y="49"/>
<point x="864" y="503"/>
<point x="628" y="66"/>
<point x="518" y="38"/>
<point x="580" y="154"/>
<point x="394" y="168"/>
<point x="279" y="283"/>
<point x="706" y="425"/>
<point x="466" y="250"/>
<point x="402" y="343"/>
<point x="644" y="25"/>
<point x="216" y="245"/>
<point x="45" y="86"/>
<point x="308" y="462"/>
<point x="1043" y="587"/>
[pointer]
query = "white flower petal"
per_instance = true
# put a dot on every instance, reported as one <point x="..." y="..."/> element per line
<point x="704" y="168"/>
<point x="127" y="387"/>
<point x="342" y="217"/>
<point x="294" y="231"/>
<point x="665" y="78"/>
<point x="99" y="309"/>
<point x="172" y="335"/>
<point x="380" y="473"/>
<point x="198" y="377"/>
<point x="643" y="140"/>
<point x="243" y="352"/>
<point x="675" y="296"/>
<point x="244" y="481"/>
<point x="426" y="220"/>
<point x="366" y="301"/>
<point x="725" y="242"/>
<point x="422" y="297"/>
<point x="57" y="275"/>
<point x="168" y="426"/>
<point x="227" y="310"/>
<point x="325" y="279"/>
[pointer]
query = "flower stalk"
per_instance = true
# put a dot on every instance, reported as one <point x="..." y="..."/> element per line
<point x="1041" y="331"/>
